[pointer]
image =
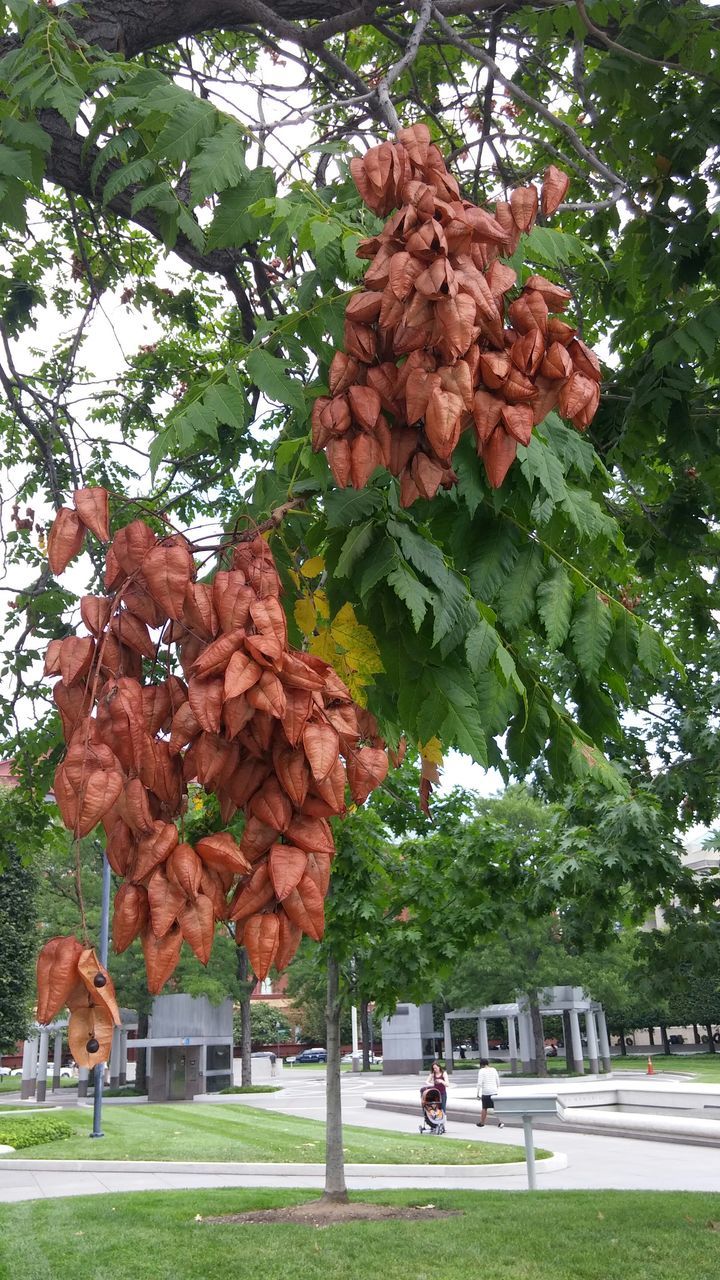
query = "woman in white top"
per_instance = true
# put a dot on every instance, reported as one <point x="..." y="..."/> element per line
<point x="487" y="1086"/>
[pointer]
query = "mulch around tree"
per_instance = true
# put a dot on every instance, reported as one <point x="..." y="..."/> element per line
<point x="328" y="1213"/>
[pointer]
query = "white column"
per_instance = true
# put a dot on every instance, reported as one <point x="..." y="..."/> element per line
<point x="604" y="1039"/>
<point x="42" y="1063"/>
<point x="83" y="1082"/>
<point x="526" y="1054"/>
<point x="447" y="1036"/>
<point x="115" y="1058"/>
<point x="483" y="1038"/>
<point x="512" y="1044"/>
<point x="577" y="1046"/>
<point x="57" y="1059"/>
<point x="592" y="1040"/>
<point x="29" y="1067"/>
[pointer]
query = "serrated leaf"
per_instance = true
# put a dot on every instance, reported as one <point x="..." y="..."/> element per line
<point x="344" y="507"/>
<point x="648" y="650"/>
<point x="554" y="604"/>
<point x="539" y="463"/>
<point x="591" y="630"/>
<point x="508" y="671"/>
<point x="305" y="615"/>
<point x="323" y="232"/>
<point x="233" y="224"/>
<point x="126" y="176"/>
<point x="410" y="590"/>
<point x="354" y="546"/>
<point x="493" y="551"/>
<point x="218" y="163"/>
<point x="190" y="122"/>
<point x="227" y="403"/>
<point x="384" y="556"/>
<point x="515" y="601"/>
<point x="463" y="728"/>
<point x="269" y="374"/>
<point x="480" y="645"/>
<point x="313" y="567"/>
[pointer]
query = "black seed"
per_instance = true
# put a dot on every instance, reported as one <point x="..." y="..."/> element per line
<point x="100" y="980"/>
<point x="92" y="1045"/>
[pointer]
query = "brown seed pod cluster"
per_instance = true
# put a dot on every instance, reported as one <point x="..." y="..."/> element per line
<point x="70" y="975"/>
<point x="271" y="731"/>
<point x="434" y="344"/>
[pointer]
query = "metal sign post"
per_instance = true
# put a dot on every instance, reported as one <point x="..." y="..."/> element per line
<point x="525" y="1107"/>
<point x="104" y="940"/>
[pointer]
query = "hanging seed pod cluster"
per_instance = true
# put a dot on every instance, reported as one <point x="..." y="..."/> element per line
<point x="271" y="731"/>
<point x="441" y="339"/>
<point x="71" y="976"/>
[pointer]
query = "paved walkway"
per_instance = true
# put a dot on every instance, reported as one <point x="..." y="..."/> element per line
<point x="593" y="1162"/>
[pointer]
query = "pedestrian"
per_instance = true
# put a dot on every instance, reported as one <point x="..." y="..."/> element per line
<point x="438" y="1079"/>
<point x="487" y="1086"/>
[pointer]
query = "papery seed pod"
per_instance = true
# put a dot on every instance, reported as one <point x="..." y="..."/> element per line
<point x="197" y="924"/>
<point x="554" y="189"/>
<point x="57" y="974"/>
<point x="130" y="915"/>
<point x="65" y="540"/>
<point x="92" y="508"/>
<point x="261" y="939"/>
<point x="287" y="865"/>
<point x="161" y="956"/>
<point x="289" y="935"/>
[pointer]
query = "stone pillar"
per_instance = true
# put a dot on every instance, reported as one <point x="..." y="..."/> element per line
<point x="115" y="1058"/>
<point x="122" y="1066"/>
<point x="42" y="1064"/>
<point x="592" y="1041"/>
<point x="447" y="1036"/>
<point x="57" y="1060"/>
<point x="604" y="1039"/>
<point x="526" y="1055"/>
<point x="83" y="1082"/>
<point x="512" y="1045"/>
<point x="29" y="1067"/>
<point x="567" y="1041"/>
<point x="483" y="1045"/>
<point x="577" y="1047"/>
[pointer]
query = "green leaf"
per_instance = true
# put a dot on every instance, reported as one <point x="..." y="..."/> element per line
<point x="493" y="551"/>
<point x="591" y="630"/>
<point x="648" y="650"/>
<point x="15" y="164"/>
<point x="354" y="546"/>
<point x="178" y="140"/>
<point x="227" y="403"/>
<point x="383" y="558"/>
<point x="411" y="591"/>
<point x="233" y="225"/>
<point x="480" y="645"/>
<point x="219" y="163"/>
<point x="554" y="604"/>
<point x="323" y="232"/>
<point x="269" y="374"/>
<point x="463" y="728"/>
<point x="508" y="670"/>
<point x="515" y="600"/>
<point x="343" y="507"/>
<point x="538" y="462"/>
<point x="126" y="176"/>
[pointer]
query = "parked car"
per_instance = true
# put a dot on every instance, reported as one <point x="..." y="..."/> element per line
<point x="311" y="1055"/>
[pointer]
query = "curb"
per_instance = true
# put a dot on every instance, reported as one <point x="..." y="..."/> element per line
<point x="422" y="1172"/>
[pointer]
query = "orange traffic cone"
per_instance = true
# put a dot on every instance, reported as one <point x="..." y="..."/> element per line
<point x="650" y="1067"/>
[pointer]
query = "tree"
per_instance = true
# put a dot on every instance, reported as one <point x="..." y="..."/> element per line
<point x="269" y="1025"/>
<point x="22" y="828"/>
<point x="515" y="623"/>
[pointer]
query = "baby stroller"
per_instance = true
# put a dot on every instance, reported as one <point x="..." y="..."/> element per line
<point x="433" y="1112"/>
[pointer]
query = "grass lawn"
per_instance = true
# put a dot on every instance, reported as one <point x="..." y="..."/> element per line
<point x="549" y="1235"/>
<point x="11" y="1084"/>
<point x="199" y="1131"/>
<point x="703" y="1067"/>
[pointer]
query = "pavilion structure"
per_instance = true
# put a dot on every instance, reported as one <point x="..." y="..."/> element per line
<point x="571" y="1003"/>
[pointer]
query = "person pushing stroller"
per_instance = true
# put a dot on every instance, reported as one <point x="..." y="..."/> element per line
<point x="488" y="1085"/>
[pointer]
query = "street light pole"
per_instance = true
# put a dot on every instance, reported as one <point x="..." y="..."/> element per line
<point x="104" y="941"/>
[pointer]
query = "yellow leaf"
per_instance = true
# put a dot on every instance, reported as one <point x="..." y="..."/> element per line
<point x="305" y="615"/>
<point x="432" y="751"/>
<point x="295" y="577"/>
<point x="312" y="568"/>
<point x="323" y="646"/>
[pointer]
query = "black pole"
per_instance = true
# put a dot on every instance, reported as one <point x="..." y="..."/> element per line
<point x="104" y="940"/>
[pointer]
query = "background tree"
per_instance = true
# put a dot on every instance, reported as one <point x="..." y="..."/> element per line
<point x="270" y="1025"/>
<point x="22" y="829"/>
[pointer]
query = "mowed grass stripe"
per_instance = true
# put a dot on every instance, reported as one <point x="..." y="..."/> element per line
<point x="198" y="1131"/>
<point x="550" y="1235"/>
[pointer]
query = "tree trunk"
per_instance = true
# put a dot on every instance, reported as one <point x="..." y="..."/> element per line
<point x="246" y="982"/>
<point x="365" y="1031"/>
<point x="623" y="1046"/>
<point x="335" y="1188"/>
<point x="651" y="1033"/>
<point x="570" y="1064"/>
<point x="696" y="1033"/>
<point x="141" y="1054"/>
<point x="664" y="1038"/>
<point x="711" y="1042"/>
<point x="538" y="1038"/>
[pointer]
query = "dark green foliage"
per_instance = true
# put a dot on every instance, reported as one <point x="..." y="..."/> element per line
<point x="32" y="1131"/>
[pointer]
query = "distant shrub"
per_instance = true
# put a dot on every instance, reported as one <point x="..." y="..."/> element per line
<point x="251" y="1088"/>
